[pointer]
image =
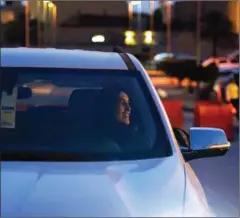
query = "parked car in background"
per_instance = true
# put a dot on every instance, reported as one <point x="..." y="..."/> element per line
<point x="159" y="58"/>
<point x="225" y="64"/>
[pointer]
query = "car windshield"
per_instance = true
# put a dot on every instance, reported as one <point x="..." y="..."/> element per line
<point x="84" y="115"/>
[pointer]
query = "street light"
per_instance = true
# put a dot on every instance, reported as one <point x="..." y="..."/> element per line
<point x="54" y="24"/>
<point x="53" y="20"/>
<point x="130" y="12"/>
<point x="49" y="18"/>
<point x="198" y="32"/>
<point x="167" y="9"/>
<point x="27" y="32"/>
<point x="151" y="15"/>
<point x="169" y="18"/>
<point x="149" y="34"/>
<point x="45" y="21"/>
<point x="39" y="15"/>
<point x="139" y="17"/>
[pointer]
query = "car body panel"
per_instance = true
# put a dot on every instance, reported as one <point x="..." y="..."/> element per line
<point x="73" y="189"/>
<point x="60" y="58"/>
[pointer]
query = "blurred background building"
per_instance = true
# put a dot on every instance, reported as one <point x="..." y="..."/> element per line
<point x="102" y="24"/>
<point x="39" y="12"/>
<point x="234" y="15"/>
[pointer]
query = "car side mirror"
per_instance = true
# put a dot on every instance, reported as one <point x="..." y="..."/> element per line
<point x="206" y="142"/>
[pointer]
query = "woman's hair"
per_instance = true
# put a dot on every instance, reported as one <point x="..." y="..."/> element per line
<point x="106" y="120"/>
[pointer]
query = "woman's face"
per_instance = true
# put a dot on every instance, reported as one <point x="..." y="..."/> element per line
<point x="123" y="109"/>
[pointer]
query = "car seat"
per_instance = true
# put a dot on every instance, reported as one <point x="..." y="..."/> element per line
<point x="81" y="109"/>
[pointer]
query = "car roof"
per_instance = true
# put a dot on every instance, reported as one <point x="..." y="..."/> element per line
<point x="60" y="58"/>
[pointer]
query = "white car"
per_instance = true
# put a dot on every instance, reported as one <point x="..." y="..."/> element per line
<point x="163" y="56"/>
<point x="109" y="152"/>
<point x="225" y="64"/>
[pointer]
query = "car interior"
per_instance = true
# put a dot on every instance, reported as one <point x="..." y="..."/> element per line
<point x="58" y="125"/>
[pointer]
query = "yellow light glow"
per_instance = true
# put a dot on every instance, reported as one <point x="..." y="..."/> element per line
<point x="185" y="82"/>
<point x="7" y="16"/>
<point x="148" y="38"/>
<point x="193" y="83"/>
<point x="233" y="14"/>
<point x="175" y="81"/>
<point x="50" y="5"/>
<point x="43" y="89"/>
<point x="130" y="38"/>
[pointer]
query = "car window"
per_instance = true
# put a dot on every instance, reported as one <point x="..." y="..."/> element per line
<point x="87" y="114"/>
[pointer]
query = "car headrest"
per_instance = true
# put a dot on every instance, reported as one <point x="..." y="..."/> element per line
<point x="24" y="93"/>
<point x="81" y="101"/>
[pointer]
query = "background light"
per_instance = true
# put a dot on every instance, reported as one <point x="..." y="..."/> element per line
<point x="130" y="38"/>
<point x="98" y="39"/>
<point x="148" y="37"/>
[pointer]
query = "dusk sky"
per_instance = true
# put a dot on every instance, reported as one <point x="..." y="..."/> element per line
<point x="144" y="6"/>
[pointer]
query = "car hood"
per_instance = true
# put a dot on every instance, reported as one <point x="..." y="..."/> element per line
<point x="90" y="189"/>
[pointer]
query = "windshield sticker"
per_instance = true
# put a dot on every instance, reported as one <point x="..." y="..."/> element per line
<point x="8" y="109"/>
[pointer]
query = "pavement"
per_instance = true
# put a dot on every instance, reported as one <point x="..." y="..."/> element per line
<point x="219" y="177"/>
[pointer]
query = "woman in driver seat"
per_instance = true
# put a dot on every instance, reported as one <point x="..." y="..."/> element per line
<point x="114" y="117"/>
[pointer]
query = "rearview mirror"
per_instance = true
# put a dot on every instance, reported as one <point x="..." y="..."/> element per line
<point x="206" y="142"/>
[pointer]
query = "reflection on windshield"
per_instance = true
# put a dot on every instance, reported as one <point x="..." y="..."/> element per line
<point x="94" y="117"/>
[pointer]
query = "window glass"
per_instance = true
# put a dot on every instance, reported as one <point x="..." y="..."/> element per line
<point x="96" y="114"/>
